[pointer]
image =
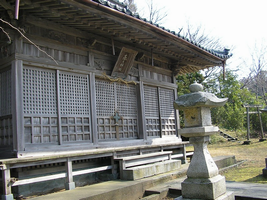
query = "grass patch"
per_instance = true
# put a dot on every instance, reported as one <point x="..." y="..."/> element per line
<point x="245" y="174"/>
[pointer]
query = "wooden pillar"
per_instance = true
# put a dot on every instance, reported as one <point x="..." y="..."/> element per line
<point x="141" y="111"/>
<point x="69" y="185"/>
<point x="176" y="111"/>
<point x="113" y="170"/>
<point x="248" y="124"/>
<point x="159" y="111"/>
<point x="92" y="98"/>
<point x="184" y="154"/>
<point x="7" y="194"/>
<point x="60" y="140"/>
<point x="261" y="136"/>
<point x="17" y="105"/>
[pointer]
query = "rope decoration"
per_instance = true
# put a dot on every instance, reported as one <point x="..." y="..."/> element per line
<point x="120" y="80"/>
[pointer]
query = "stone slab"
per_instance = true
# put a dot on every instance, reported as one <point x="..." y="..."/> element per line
<point x="198" y="131"/>
<point x="143" y="171"/>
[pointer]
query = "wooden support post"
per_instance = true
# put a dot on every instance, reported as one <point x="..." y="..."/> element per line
<point x="7" y="195"/>
<point x="17" y="106"/>
<point x="160" y="114"/>
<point x="69" y="185"/>
<point x="184" y="154"/>
<point x="141" y="111"/>
<point x="113" y="170"/>
<point x="248" y="125"/>
<point x="94" y="133"/>
<point x="60" y="139"/>
<point x="122" y="167"/>
<point x="262" y="134"/>
<point x="140" y="152"/>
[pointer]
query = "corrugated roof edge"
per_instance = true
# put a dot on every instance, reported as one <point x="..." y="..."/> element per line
<point x="120" y="6"/>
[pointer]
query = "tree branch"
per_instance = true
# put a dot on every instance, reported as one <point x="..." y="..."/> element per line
<point x="25" y="38"/>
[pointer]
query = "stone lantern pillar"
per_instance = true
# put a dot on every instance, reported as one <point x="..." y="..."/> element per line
<point x="203" y="179"/>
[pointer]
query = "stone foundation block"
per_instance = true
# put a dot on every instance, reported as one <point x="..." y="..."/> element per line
<point x="206" y="188"/>
<point x="143" y="171"/>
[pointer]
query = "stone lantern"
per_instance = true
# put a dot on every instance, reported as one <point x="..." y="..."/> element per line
<point x="203" y="179"/>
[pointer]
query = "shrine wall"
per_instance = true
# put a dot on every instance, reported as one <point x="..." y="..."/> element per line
<point x="69" y="98"/>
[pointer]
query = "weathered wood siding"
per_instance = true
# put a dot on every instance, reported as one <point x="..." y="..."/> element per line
<point x="6" y="136"/>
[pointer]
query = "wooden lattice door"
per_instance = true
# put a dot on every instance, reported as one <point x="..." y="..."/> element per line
<point x="56" y="106"/>
<point x="159" y="111"/>
<point x="116" y="107"/>
<point x="40" y="106"/>
<point x="74" y="107"/>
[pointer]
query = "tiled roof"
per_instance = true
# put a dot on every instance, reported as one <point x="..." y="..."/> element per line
<point x="119" y="6"/>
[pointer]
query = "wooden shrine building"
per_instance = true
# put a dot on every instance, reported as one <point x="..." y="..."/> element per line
<point x="89" y="76"/>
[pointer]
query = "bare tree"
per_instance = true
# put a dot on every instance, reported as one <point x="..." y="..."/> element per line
<point x="256" y="81"/>
<point x="2" y="29"/>
<point x="152" y="12"/>
<point x="131" y="5"/>
<point x="156" y="14"/>
<point x="198" y="34"/>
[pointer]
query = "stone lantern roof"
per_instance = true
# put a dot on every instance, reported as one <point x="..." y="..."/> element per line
<point x="197" y="98"/>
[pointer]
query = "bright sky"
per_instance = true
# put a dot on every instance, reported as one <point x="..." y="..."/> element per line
<point x="238" y="23"/>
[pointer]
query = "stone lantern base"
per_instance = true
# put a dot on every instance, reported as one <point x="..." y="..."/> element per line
<point x="211" y="188"/>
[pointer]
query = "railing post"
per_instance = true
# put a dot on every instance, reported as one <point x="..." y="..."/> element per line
<point x="69" y="185"/>
<point x="113" y="170"/>
<point x="7" y="195"/>
<point x="184" y="154"/>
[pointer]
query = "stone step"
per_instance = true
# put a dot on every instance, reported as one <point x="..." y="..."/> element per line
<point x="161" y="192"/>
<point x="152" y="197"/>
<point x="172" y="187"/>
<point x="224" y="161"/>
<point x="139" y="172"/>
<point x="227" y="136"/>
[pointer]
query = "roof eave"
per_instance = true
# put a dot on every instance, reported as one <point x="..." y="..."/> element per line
<point x="155" y="29"/>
